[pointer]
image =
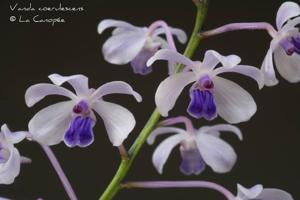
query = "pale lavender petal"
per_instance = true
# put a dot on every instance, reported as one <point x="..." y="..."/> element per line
<point x="267" y="69"/>
<point x="221" y="127"/>
<point x="11" y="168"/>
<point x="251" y="193"/>
<point x="286" y="11"/>
<point x="216" y="153"/>
<point x="170" y="55"/>
<point x="163" y="150"/>
<point x="274" y="194"/>
<point x="49" y="125"/>
<point x="13" y="137"/>
<point x="180" y="34"/>
<point x="287" y="66"/>
<point x="212" y="58"/>
<point x="124" y="47"/>
<point x="118" y="121"/>
<point x="115" y="87"/>
<point x="169" y="90"/>
<point x="108" y="23"/>
<point x="37" y="92"/>
<point x="163" y="130"/>
<point x="246" y="70"/>
<point x="78" y="82"/>
<point x="234" y="104"/>
<point x="290" y="25"/>
<point x="139" y="63"/>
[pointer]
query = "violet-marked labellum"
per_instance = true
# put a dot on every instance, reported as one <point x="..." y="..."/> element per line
<point x="10" y="159"/>
<point x="73" y="121"/>
<point x="197" y="149"/>
<point x="210" y="94"/>
<point x="285" y="47"/>
<point x="257" y="192"/>
<point x="134" y="45"/>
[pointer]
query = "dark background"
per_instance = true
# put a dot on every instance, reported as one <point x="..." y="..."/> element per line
<point x="30" y="52"/>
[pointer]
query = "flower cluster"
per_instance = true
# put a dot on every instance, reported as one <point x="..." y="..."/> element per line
<point x="72" y="121"/>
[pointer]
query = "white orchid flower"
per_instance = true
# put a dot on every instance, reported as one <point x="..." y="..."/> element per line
<point x="198" y="148"/>
<point x="285" y="47"/>
<point x="135" y="45"/>
<point x="257" y="192"/>
<point x="10" y="159"/>
<point x="73" y="120"/>
<point x="210" y="94"/>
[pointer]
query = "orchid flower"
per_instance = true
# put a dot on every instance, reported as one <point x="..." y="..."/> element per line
<point x="135" y="45"/>
<point x="198" y="148"/>
<point x="285" y="47"/>
<point x="210" y="94"/>
<point x="73" y="120"/>
<point x="10" y="159"/>
<point x="257" y="192"/>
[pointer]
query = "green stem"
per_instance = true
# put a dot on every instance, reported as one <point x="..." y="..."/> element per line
<point x="115" y="184"/>
<point x="195" y="39"/>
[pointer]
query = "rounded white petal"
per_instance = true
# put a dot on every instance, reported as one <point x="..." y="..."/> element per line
<point x="170" y="55"/>
<point x="113" y="87"/>
<point x="250" y="71"/>
<point x="123" y="47"/>
<point x="49" y="125"/>
<point x="118" y="121"/>
<point x="222" y="127"/>
<point x="163" y="130"/>
<point x="10" y="169"/>
<point x="287" y="66"/>
<point x="79" y="82"/>
<point x="13" y="137"/>
<point x="216" y="153"/>
<point x="169" y="90"/>
<point x="251" y="193"/>
<point x="108" y="23"/>
<point x="234" y="104"/>
<point x="212" y="58"/>
<point x="37" y="92"/>
<point x="286" y="11"/>
<point x="274" y="194"/>
<point x="290" y="25"/>
<point x="163" y="150"/>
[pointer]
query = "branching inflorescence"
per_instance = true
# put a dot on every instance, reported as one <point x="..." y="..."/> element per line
<point x="210" y="95"/>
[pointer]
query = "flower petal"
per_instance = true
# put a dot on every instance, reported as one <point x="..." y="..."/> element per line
<point x="79" y="82"/>
<point x="169" y="90"/>
<point x="164" y="149"/>
<point x="170" y="55"/>
<point x="267" y="69"/>
<point x="49" y="125"/>
<point x="180" y="34"/>
<point x="37" y="92"/>
<point x="290" y="25"/>
<point x="108" y="23"/>
<point x="13" y="137"/>
<point x="287" y="66"/>
<point x="163" y="130"/>
<point x="251" y="193"/>
<point x="286" y="11"/>
<point x="10" y="169"/>
<point x="123" y="47"/>
<point x="234" y="104"/>
<point x="222" y="127"/>
<point x="118" y="121"/>
<point x="113" y="87"/>
<point x="216" y="153"/>
<point x="246" y="70"/>
<point x="212" y="58"/>
<point x="274" y="194"/>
